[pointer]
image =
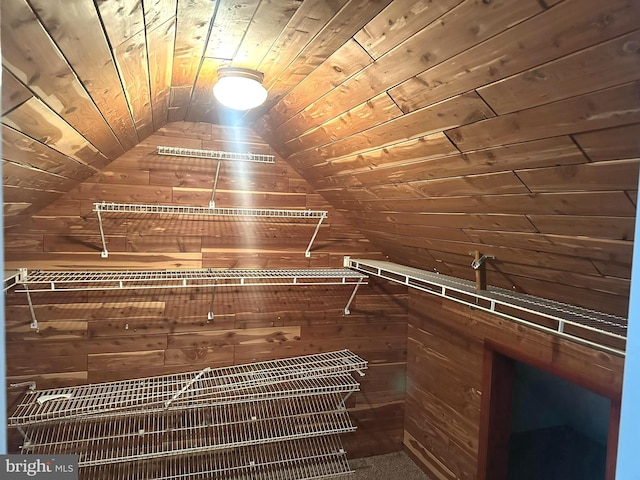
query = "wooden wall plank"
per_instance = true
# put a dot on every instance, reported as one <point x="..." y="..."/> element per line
<point x="79" y="24"/>
<point x="20" y="175"/>
<point x="269" y="21"/>
<point x="602" y="109"/>
<point x="618" y="228"/>
<point x="305" y="23"/>
<point x="458" y="30"/>
<point x="228" y="28"/>
<point x="157" y="12"/>
<point x="612" y="175"/>
<point x="34" y="119"/>
<point x="339" y="29"/>
<point x="344" y="62"/>
<point x="610" y="144"/>
<point x="558" y="31"/>
<point x="398" y="22"/>
<point x="380" y="109"/>
<point x="14" y="93"/>
<point x="192" y="26"/>
<point x="606" y="65"/>
<point x="19" y="148"/>
<point x="32" y="56"/>
<point x="460" y="110"/>
<point x="160" y="42"/>
<point x="574" y="203"/>
<point x="133" y="64"/>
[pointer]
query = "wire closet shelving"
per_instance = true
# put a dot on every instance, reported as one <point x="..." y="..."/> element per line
<point x="266" y="420"/>
<point x="595" y="329"/>
<point x="199" y="211"/>
<point x="101" y="280"/>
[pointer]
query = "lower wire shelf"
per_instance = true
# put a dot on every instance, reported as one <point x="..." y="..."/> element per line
<point x="277" y="420"/>
<point x="135" y="438"/>
<point x="302" y="459"/>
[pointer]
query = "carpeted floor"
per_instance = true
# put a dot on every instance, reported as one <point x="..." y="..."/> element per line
<point x="392" y="466"/>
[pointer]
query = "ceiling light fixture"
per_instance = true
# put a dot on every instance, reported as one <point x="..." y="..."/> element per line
<point x="239" y="88"/>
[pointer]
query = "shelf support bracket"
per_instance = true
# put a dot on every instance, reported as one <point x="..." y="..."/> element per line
<point x="353" y="294"/>
<point x="211" y="312"/>
<point x="105" y="252"/>
<point x="307" y="252"/>
<point x="34" y="320"/>
<point x="212" y="202"/>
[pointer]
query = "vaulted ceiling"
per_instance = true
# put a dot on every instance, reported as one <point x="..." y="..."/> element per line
<point x="440" y="128"/>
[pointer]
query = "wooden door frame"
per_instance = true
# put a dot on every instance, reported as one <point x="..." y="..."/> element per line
<point x="495" y="413"/>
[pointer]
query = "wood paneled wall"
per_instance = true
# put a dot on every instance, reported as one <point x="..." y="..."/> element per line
<point x="446" y="344"/>
<point x="103" y="336"/>
<point x="505" y="126"/>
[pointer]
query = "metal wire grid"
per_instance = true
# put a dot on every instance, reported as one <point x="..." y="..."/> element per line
<point x="124" y="439"/>
<point x="297" y="375"/>
<point x="216" y="154"/>
<point x="303" y="459"/>
<point x="111" y="207"/>
<point x="46" y="281"/>
<point x="442" y="285"/>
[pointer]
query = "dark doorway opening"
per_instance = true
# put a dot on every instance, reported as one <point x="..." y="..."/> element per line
<point x="558" y="429"/>
<point x="539" y="422"/>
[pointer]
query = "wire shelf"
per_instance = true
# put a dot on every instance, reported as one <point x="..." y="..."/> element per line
<point x="492" y="299"/>
<point x="211" y="211"/>
<point x="297" y="376"/>
<point x="278" y="419"/>
<point x="135" y="438"/>
<point x="216" y="154"/>
<point x="110" y="207"/>
<point x="46" y="281"/>
<point x="304" y="459"/>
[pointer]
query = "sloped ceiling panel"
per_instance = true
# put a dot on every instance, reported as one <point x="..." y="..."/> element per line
<point x="507" y="127"/>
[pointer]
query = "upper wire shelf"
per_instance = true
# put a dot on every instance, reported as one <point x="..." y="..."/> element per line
<point x="102" y="280"/>
<point x="215" y="154"/>
<point x="210" y="211"/>
<point x="574" y="323"/>
<point x="111" y="207"/>
<point x="62" y="280"/>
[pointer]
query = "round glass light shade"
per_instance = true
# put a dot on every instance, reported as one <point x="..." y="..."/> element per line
<point x="239" y="88"/>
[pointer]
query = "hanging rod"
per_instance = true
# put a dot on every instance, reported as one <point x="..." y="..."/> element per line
<point x="111" y="207"/>
<point x="215" y="154"/>
<point x="490" y="300"/>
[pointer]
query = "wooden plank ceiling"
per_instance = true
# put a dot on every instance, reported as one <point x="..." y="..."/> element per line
<point x="439" y="128"/>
